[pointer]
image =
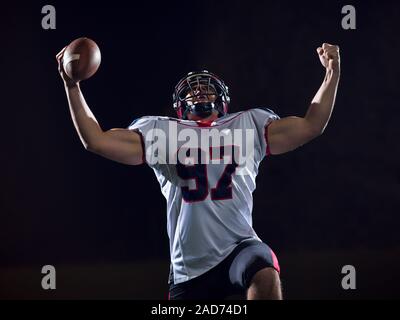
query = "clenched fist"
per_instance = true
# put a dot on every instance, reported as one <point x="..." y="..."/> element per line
<point x="329" y="56"/>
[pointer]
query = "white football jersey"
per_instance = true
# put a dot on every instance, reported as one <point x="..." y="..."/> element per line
<point x="207" y="182"/>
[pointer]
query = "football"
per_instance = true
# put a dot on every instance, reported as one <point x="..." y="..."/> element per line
<point x="81" y="59"/>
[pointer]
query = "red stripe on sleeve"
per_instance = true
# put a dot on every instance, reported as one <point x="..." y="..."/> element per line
<point x="143" y="146"/>
<point x="267" y="151"/>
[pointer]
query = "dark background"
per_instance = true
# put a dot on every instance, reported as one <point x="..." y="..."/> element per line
<point x="332" y="202"/>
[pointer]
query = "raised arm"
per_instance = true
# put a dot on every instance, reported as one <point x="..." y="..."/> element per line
<point x="289" y="133"/>
<point x="121" y="145"/>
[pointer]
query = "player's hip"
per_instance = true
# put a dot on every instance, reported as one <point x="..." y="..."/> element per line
<point x="231" y="276"/>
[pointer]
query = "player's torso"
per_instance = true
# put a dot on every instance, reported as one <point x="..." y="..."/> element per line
<point x="207" y="175"/>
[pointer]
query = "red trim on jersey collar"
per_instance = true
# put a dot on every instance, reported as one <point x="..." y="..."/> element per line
<point x="205" y="123"/>
<point x="180" y="121"/>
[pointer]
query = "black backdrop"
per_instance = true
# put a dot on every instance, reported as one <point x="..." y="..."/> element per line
<point x="332" y="202"/>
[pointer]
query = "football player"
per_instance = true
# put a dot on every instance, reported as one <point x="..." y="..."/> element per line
<point x="215" y="252"/>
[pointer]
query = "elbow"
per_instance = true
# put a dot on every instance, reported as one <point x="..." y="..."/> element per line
<point x="92" y="144"/>
<point x="316" y="131"/>
<point x="91" y="147"/>
<point x="321" y="130"/>
<point x="88" y="147"/>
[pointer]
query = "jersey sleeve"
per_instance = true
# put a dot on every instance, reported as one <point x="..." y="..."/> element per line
<point x="144" y="126"/>
<point x="261" y="117"/>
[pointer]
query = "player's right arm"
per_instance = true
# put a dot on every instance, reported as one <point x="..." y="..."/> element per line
<point x="121" y="145"/>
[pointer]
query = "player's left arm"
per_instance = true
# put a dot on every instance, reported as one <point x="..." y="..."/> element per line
<point x="289" y="133"/>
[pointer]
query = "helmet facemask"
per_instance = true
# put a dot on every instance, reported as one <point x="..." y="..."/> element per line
<point x="200" y="93"/>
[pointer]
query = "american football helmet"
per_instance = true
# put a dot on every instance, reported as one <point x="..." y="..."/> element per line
<point x="200" y="83"/>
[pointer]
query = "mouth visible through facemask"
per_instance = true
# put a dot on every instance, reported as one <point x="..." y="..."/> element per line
<point x="202" y="109"/>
